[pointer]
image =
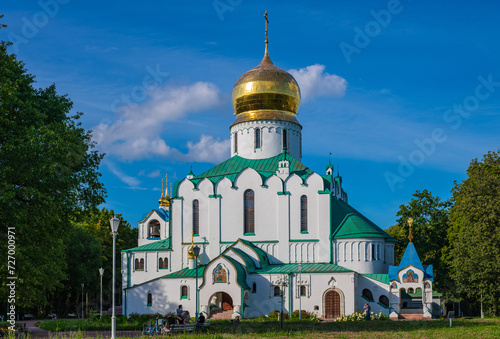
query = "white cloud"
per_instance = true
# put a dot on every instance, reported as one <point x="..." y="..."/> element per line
<point x="153" y="174"/>
<point x="208" y="149"/>
<point x="314" y="82"/>
<point x="131" y="181"/>
<point x="137" y="134"/>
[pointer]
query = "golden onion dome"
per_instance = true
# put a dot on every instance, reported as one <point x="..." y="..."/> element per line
<point x="266" y="92"/>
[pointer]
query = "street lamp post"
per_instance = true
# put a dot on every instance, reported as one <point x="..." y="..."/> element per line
<point x="114" y="223"/>
<point x="282" y="282"/>
<point x="101" y="272"/>
<point x="300" y="292"/>
<point x="82" y="300"/>
<point x="196" y="251"/>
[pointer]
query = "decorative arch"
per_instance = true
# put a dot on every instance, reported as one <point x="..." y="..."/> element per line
<point x="330" y="299"/>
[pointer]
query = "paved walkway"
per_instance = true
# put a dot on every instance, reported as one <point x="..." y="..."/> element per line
<point x="37" y="332"/>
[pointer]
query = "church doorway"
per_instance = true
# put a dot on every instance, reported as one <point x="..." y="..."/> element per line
<point x="221" y="301"/>
<point x="332" y="305"/>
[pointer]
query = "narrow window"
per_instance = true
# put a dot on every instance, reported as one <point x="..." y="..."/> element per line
<point x="303" y="214"/>
<point x="160" y="263"/>
<point x="196" y="217"/>
<point x="249" y="212"/>
<point x="257" y="138"/>
<point x="154" y="229"/>
<point x="277" y="291"/>
<point x="137" y="264"/>
<point x="302" y="291"/>
<point x="254" y="288"/>
<point x="368" y="294"/>
<point x="184" y="292"/>
<point x="150" y="299"/>
<point x="236" y="142"/>
<point x="285" y="139"/>
<point x="373" y="252"/>
<point x="163" y="263"/>
<point x="141" y="264"/>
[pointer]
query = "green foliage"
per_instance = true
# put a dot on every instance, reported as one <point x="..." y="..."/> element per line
<point x="430" y="224"/>
<point x="305" y="314"/>
<point x="474" y="251"/>
<point x="48" y="170"/>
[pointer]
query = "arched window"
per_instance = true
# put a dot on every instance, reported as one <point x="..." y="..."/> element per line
<point x="277" y="291"/>
<point x="302" y="291"/>
<point x="249" y="212"/>
<point x="373" y="252"/>
<point x="257" y="138"/>
<point x="163" y="263"/>
<point x="303" y="214"/>
<point x="418" y="291"/>
<point x="368" y="294"/>
<point x="254" y="288"/>
<point x="137" y="264"/>
<point x="285" y="139"/>
<point x="184" y="292"/>
<point x="196" y="217"/>
<point x="154" y="229"/>
<point x="411" y="291"/>
<point x="384" y="300"/>
<point x="150" y="299"/>
<point x="236" y="142"/>
<point x="141" y="264"/>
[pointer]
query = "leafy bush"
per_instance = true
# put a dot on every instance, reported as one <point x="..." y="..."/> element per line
<point x="305" y="314"/>
<point x="360" y="316"/>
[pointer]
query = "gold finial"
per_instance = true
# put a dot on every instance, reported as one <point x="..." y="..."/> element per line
<point x="164" y="197"/>
<point x="166" y="187"/>
<point x="410" y="222"/>
<point x="191" y="249"/>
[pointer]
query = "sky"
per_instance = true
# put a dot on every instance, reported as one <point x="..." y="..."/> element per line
<point x="403" y="94"/>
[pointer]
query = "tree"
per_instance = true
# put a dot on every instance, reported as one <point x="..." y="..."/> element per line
<point x="474" y="234"/>
<point x="48" y="170"/>
<point x="429" y="230"/>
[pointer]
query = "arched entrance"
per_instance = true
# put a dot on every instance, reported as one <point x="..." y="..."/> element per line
<point x="332" y="304"/>
<point x="221" y="301"/>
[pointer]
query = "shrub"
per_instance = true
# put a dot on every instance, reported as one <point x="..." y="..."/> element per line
<point x="305" y="314"/>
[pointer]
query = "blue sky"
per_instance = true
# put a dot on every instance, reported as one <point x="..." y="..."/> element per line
<point x="404" y="94"/>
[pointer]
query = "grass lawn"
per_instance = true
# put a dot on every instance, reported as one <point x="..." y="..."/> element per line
<point x="462" y="328"/>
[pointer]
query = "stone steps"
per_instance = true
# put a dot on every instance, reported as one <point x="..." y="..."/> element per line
<point x="222" y="314"/>
<point x="411" y="316"/>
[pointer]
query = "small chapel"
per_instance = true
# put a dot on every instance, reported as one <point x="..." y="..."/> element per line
<point x="261" y="230"/>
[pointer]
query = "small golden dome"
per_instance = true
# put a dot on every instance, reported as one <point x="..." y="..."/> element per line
<point x="191" y="253"/>
<point x="266" y="92"/>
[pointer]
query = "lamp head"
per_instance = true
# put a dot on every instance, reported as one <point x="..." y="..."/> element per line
<point x="114" y="223"/>
<point x="101" y="271"/>
<point x="196" y="251"/>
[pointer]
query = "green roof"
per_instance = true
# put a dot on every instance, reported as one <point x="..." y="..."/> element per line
<point x="306" y="268"/>
<point x="383" y="278"/>
<point x="249" y="263"/>
<point x="160" y="245"/>
<point x="241" y="276"/>
<point x="263" y="258"/>
<point x="347" y="222"/>
<point x="187" y="273"/>
<point x="265" y="167"/>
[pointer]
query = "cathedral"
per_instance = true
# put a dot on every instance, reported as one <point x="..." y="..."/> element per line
<point x="261" y="231"/>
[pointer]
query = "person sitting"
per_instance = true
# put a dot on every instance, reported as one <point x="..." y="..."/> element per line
<point x="186" y="317"/>
<point x="201" y="319"/>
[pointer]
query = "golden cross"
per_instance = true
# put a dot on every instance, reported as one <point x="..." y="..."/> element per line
<point x="267" y="21"/>
<point x="410" y="222"/>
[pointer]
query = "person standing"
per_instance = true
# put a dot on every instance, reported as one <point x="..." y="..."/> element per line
<point x="367" y="311"/>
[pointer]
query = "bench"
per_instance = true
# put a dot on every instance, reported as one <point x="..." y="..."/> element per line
<point x="176" y="328"/>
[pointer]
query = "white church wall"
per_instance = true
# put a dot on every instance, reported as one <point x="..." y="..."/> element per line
<point x="271" y="139"/>
<point x="377" y="289"/>
<point x="166" y="296"/>
<point x="363" y="255"/>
